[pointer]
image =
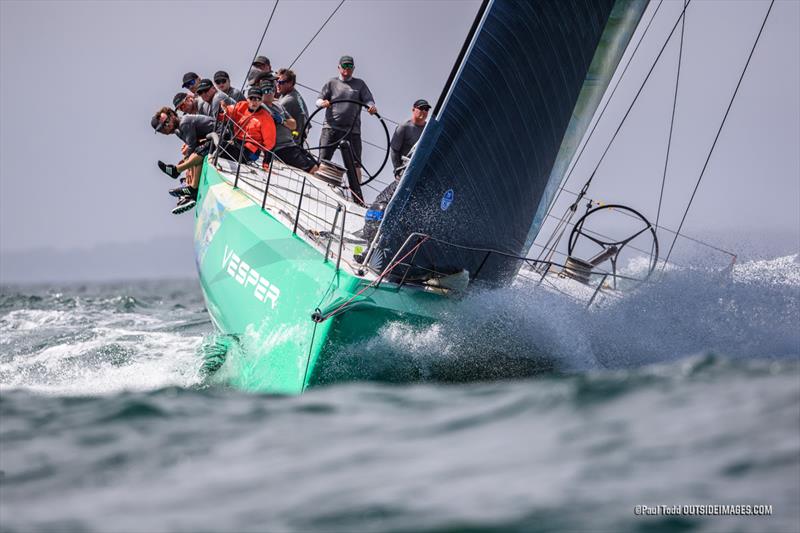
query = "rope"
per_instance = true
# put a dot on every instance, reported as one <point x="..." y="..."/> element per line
<point x="260" y="42"/>
<point x="716" y="138"/>
<point x="315" y="35"/>
<point x="308" y="358"/>
<point x="671" y="122"/>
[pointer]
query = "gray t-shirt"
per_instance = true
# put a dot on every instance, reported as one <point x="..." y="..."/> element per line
<point x="236" y="94"/>
<point x="203" y="107"/>
<point x="296" y="107"/>
<point x="220" y="99"/>
<point x="341" y="116"/>
<point x="193" y="128"/>
<point x="405" y="137"/>
<point x="283" y="135"/>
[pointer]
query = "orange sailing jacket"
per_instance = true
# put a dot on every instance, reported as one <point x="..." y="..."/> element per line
<point x="259" y="126"/>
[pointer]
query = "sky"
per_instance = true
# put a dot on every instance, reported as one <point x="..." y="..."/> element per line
<point x="80" y="81"/>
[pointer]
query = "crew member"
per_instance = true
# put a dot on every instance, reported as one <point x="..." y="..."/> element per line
<point x="223" y="83"/>
<point x="254" y="128"/>
<point x="340" y="117"/>
<point x="291" y="100"/>
<point x="407" y="134"/>
<point x="192" y="130"/>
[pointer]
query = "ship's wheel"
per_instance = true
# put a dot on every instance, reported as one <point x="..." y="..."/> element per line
<point x="370" y="175"/>
<point x="611" y="248"/>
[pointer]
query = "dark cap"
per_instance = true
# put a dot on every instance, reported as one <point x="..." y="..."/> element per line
<point x="178" y="99"/>
<point x="260" y="77"/>
<point x="346" y="59"/>
<point x="422" y="104"/>
<point x="263" y="60"/>
<point x="221" y="75"/>
<point x="255" y="91"/>
<point x="267" y="85"/>
<point x="204" y="85"/>
<point x="156" y="123"/>
<point x="189" y="76"/>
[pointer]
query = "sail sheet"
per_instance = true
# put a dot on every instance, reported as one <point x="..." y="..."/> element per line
<point x="520" y="97"/>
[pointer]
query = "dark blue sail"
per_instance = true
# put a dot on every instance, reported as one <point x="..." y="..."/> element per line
<point x="526" y="85"/>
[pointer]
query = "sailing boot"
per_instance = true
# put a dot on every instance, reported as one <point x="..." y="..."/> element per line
<point x="185" y="203"/>
<point x="169" y="170"/>
<point x="183" y="190"/>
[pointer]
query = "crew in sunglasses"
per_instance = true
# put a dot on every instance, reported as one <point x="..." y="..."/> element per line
<point x="214" y="98"/>
<point x="190" y="83"/>
<point x="291" y="100"/>
<point x="339" y="118"/>
<point x="223" y="83"/>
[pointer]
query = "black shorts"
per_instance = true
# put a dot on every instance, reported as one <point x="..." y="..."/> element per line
<point x="294" y="156"/>
<point x="202" y="149"/>
<point x="230" y="151"/>
<point x="329" y="136"/>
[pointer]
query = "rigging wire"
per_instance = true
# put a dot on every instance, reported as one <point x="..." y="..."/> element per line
<point x="716" y="138"/>
<point x="671" y="122"/>
<point x="555" y="237"/>
<point x="665" y="228"/>
<point x="260" y="43"/>
<point x="315" y="35"/>
<point x="638" y="93"/>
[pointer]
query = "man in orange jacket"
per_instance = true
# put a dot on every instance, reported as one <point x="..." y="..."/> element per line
<point x="253" y="126"/>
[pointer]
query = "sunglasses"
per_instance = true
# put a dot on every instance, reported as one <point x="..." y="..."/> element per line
<point x="220" y="81"/>
<point x="189" y="84"/>
<point x="256" y="98"/>
<point x="201" y="93"/>
<point x="281" y="82"/>
<point x="347" y="65"/>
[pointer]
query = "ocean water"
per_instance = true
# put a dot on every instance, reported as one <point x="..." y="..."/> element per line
<point x="642" y="416"/>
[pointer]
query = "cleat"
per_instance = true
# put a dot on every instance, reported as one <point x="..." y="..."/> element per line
<point x="169" y="170"/>
<point x="184" y="204"/>
<point x="184" y="190"/>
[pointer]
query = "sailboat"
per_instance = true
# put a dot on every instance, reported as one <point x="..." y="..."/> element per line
<point x="283" y="261"/>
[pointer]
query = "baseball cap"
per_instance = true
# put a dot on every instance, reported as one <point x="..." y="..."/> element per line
<point x="189" y="76"/>
<point x="221" y="75"/>
<point x="346" y="59"/>
<point x="262" y="59"/>
<point x="178" y="99"/>
<point x="204" y="85"/>
<point x="422" y="104"/>
<point x="255" y="91"/>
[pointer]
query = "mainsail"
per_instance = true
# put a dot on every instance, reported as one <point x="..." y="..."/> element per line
<point x="517" y="103"/>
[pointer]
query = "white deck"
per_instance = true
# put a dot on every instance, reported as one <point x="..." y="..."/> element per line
<point x="317" y="214"/>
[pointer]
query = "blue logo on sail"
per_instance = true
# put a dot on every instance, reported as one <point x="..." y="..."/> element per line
<point x="447" y="199"/>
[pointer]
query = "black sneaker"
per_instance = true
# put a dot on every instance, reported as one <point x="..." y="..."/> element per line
<point x="184" y="204"/>
<point x="169" y="170"/>
<point x="184" y="190"/>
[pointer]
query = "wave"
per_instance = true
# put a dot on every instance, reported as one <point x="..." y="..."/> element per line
<point x="752" y="311"/>
<point x="101" y="340"/>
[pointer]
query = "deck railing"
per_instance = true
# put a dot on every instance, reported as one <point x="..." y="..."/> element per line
<point x="416" y="241"/>
<point x="317" y="213"/>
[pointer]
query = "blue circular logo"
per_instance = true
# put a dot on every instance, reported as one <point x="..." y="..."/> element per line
<point x="447" y="199"/>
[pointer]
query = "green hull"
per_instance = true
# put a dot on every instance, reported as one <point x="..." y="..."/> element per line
<point x="262" y="283"/>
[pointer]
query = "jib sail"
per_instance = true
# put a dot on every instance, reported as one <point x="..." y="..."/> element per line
<point x="517" y="103"/>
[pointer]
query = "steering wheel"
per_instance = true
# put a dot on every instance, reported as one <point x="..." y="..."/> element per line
<point x="612" y="249"/>
<point x="370" y="176"/>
